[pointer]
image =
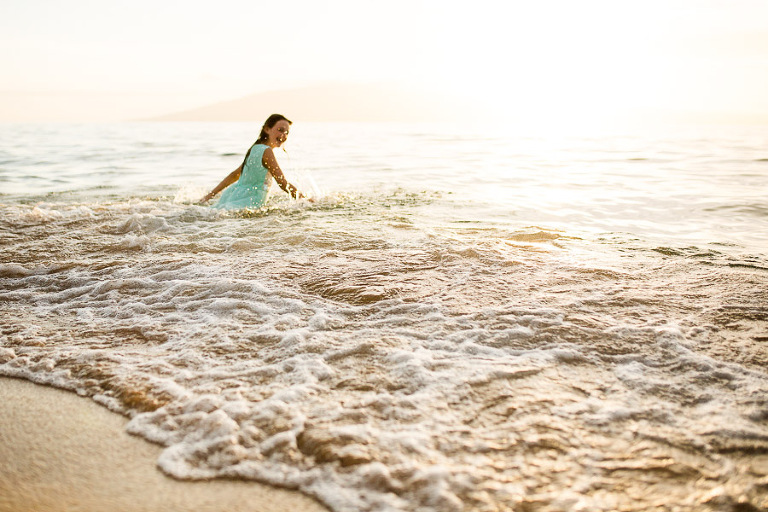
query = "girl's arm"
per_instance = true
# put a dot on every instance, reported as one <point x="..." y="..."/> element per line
<point x="230" y="179"/>
<point x="269" y="161"/>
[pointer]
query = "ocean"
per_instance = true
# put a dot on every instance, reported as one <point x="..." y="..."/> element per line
<point x="464" y="319"/>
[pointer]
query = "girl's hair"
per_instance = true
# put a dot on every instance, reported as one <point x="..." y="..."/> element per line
<point x="269" y="123"/>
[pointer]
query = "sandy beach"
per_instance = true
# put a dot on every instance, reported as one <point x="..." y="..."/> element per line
<point x="62" y="452"/>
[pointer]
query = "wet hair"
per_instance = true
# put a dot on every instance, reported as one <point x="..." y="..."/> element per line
<point x="269" y="123"/>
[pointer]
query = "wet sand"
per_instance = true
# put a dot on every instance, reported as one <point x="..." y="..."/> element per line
<point x="59" y="451"/>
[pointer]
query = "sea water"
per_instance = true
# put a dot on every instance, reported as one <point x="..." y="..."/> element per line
<point x="464" y="319"/>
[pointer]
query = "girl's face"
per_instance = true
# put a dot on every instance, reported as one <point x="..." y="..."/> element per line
<point x="277" y="134"/>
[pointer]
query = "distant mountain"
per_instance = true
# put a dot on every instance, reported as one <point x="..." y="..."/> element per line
<point x="332" y="102"/>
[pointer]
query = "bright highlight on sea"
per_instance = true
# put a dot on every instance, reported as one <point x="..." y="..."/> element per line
<point x="462" y="321"/>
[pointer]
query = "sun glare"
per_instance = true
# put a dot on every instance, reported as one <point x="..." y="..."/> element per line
<point x="559" y="67"/>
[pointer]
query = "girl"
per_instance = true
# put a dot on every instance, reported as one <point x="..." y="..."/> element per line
<point x="254" y="176"/>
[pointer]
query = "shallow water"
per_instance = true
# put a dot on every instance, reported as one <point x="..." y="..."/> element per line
<point x="459" y="322"/>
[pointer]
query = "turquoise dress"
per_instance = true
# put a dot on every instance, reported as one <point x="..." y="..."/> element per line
<point x="252" y="188"/>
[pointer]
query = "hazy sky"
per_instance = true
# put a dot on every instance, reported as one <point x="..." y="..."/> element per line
<point x="111" y="60"/>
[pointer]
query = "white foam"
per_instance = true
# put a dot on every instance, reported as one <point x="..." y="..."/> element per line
<point x="222" y="338"/>
<point x="143" y="223"/>
<point x="43" y="213"/>
<point x="6" y="354"/>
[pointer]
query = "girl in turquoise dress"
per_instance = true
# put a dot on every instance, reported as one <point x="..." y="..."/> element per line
<point x="248" y="185"/>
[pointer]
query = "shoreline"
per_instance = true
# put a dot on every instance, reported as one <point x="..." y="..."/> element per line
<point x="64" y="452"/>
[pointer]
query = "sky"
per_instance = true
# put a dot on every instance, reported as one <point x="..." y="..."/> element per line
<point x="552" y="61"/>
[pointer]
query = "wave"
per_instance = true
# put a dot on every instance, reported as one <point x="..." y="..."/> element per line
<point x="379" y="358"/>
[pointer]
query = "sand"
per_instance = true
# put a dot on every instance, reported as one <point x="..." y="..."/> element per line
<point x="59" y="451"/>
